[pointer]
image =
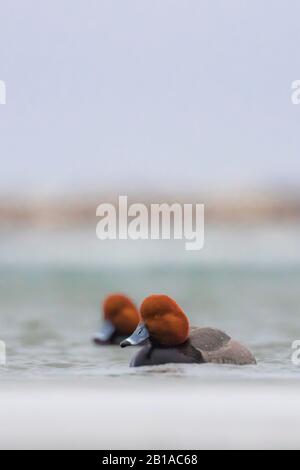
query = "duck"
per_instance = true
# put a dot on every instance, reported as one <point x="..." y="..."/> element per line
<point x="120" y="319"/>
<point x="166" y="337"/>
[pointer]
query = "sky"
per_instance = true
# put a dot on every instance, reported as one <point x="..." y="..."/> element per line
<point x="128" y="95"/>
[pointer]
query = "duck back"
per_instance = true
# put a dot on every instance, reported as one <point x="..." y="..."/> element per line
<point x="217" y="347"/>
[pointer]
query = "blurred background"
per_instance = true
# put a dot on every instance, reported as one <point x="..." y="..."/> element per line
<point x="163" y="101"/>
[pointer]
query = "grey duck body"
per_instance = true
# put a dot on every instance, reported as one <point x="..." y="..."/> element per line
<point x="204" y="345"/>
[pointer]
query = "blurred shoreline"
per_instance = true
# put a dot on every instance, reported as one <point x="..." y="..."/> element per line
<point x="79" y="210"/>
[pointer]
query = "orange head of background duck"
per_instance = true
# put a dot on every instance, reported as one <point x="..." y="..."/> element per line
<point x="163" y="321"/>
<point x="121" y="318"/>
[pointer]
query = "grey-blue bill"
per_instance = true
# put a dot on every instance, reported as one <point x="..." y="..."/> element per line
<point x="139" y="336"/>
<point x="106" y="332"/>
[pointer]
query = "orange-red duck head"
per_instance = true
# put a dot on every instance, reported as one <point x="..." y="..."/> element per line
<point x="121" y="318"/>
<point x="163" y="321"/>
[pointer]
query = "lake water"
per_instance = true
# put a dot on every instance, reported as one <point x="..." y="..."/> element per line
<point x="246" y="282"/>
